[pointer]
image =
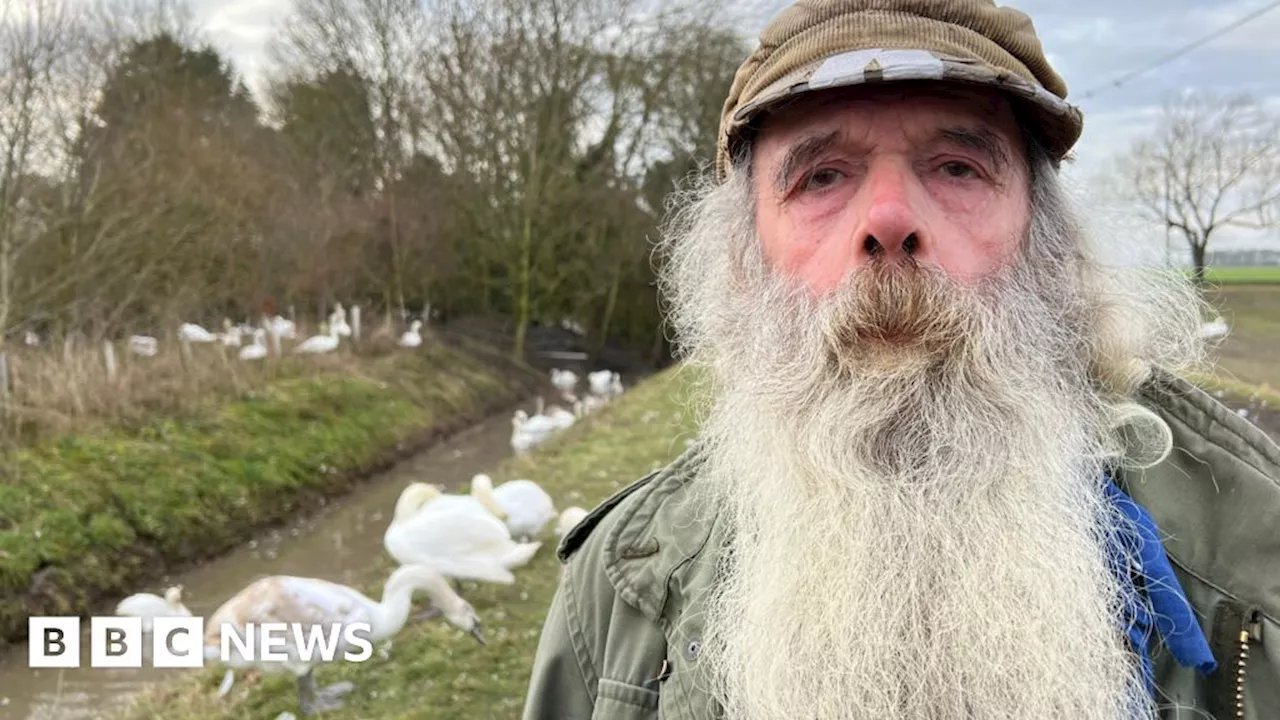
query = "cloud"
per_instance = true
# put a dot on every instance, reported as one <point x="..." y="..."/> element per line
<point x="241" y="30"/>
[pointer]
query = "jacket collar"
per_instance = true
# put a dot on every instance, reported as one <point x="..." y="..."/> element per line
<point x="657" y="535"/>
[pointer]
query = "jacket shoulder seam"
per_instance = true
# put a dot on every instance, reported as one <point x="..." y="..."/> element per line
<point x="1170" y="385"/>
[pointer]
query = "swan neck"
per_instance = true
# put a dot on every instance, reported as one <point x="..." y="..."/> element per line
<point x="392" y="613"/>
<point x="483" y="493"/>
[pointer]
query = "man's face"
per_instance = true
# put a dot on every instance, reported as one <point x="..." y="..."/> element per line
<point x="935" y="173"/>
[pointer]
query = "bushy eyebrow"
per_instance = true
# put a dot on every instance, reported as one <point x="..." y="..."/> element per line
<point x="802" y="153"/>
<point x="981" y="140"/>
<point x="811" y="147"/>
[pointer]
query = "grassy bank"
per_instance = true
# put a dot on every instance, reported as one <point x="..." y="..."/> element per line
<point x="1266" y="274"/>
<point x="433" y="670"/>
<point x="1247" y="356"/>
<point x="86" y="517"/>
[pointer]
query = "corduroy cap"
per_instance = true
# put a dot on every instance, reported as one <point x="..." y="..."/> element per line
<point x="824" y="44"/>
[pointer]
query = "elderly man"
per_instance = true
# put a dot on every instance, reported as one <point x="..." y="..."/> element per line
<point x="947" y="468"/>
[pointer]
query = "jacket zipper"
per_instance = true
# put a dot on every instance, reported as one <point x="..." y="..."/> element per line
<point x="1251" y="629"/>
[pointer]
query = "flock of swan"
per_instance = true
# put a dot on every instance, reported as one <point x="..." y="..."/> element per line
<point x="278" y="328"/>
<point x="529" y="431"/>
<point x="434" y="537"/>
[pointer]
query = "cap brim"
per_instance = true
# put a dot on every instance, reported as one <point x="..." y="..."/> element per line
<point x="1058" y="122"/>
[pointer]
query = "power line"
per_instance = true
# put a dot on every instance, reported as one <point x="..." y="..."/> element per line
<point x="1182" y="50"/>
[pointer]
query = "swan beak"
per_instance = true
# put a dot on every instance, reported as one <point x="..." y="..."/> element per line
<point x="475" y="633"/>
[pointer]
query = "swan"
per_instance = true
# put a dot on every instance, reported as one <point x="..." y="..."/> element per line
<point x="600" y="381"/>
<point x="193" y="333"/>
<point x="229" y="336"/>
<point x="569" y="518"/>
<point x="417" y="495"/>
<point x="528" y="507"/>
<point x="593" y="402"/>
<point x="143" y="345"/>
<point x="563" y="418"/>
<point x="258" y="349"/>
<point x="148" y="606"/>
<point x="459" y="540"/>
<point x="564" y="380"/>
<point x="526" y="432"/>
<point x="281" y="327"/>
<point x="318" y="605"/>
<point x="316" y="344"/>
<point x="411" y="337"/>
<point x="1215" y="329"/>
<point x="338" y="321"/>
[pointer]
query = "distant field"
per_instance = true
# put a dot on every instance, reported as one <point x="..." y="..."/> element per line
<point x="1250" y="351"/>
<point x="1266" y="274"/>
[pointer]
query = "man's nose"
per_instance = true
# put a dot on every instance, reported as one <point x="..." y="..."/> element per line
<point x="889" y="223"/>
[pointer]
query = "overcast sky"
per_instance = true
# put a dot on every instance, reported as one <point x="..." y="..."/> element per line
<point x="1089" y="42"/>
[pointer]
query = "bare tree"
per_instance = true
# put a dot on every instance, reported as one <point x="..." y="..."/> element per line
<point x="1213" y="163"/>
<point x="33" y="39"/>
<point x="381" y="40"/>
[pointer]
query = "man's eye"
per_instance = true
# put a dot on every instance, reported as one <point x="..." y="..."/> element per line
<point x="821" y="178"/>
<point x="959" y="170"/>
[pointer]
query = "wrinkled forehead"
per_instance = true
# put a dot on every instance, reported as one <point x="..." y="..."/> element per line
<point x="919" y="110"/>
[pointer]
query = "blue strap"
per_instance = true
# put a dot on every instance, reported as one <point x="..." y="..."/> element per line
<point x="1140" y="560"/>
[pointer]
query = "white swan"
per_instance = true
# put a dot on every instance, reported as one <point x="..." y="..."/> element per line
<point x="1215" y="329"/>
<point x="318" y="606"/>
<point x="600" y="381"/>
<point x="592" y="403"/>
<point x="411" y="337"/>
<point x="527" y="432"/>
<point x="317" y="344"/>
<point x="457" y="539"/>
<point x="528" y="507"/>
<point x="564" y="419"/>
<point x="230" y="336"/>
<point x="564" y="380"/>
<point x="280" y="327"/>
<point x="417" y="495"/>
<point x="258" y="349"/>
<point x="143" y="345"/>
<point x="338" y="321"/>
<point x="193" y="333"/>
<point x="148" y="606"/>
<point x="569" y="518"/>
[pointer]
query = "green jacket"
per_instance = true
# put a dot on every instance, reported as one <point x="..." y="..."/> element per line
<point x="621" y="640"/>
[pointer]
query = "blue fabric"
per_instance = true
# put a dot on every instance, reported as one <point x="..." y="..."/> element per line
<point x="1140" y="561"/>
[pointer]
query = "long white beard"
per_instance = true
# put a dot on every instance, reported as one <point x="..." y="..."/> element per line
<point x="929" y="547"/>
<point x="917" y="532"/>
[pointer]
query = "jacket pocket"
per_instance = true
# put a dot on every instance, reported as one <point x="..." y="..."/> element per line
<point x="624" y="701"/>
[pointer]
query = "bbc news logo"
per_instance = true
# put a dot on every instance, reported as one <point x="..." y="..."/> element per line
<point x="178" y="642"/>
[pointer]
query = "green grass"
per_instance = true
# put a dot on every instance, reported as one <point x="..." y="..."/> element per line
<point x="84" y="517"/>
<point x="1260" y="275"/>
<point x="1250" y="354"/>
<point x="433" y="670"/>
